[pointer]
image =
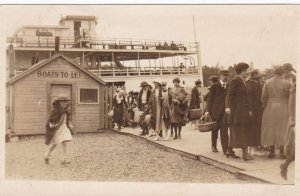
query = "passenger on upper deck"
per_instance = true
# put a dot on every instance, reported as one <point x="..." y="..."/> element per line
<point x="166" y="46"/>
<point x="173" y="46"/>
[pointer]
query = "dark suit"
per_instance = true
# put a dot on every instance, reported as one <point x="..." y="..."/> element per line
<point x="216" y="108"/>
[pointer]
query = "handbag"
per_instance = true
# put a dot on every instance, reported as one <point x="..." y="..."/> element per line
<point x="195" y="114"/>
<point x="206" y="124"/>
<point x="110" y="113"/>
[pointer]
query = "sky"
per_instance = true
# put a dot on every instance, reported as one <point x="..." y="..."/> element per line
<point x="228" y="34"/>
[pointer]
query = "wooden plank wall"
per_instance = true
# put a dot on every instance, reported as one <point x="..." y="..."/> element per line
<point x="31" y="96"/>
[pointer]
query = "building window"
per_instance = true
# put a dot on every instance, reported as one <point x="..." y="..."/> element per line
<point x="88" y="96"/>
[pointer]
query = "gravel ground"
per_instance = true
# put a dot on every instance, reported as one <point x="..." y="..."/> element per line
<point x="108" y="157"/>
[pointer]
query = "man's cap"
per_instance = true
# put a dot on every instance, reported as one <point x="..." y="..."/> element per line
<point x="224" y="72"/>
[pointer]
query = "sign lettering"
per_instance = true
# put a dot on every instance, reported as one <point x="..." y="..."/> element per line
<point x="56" y="74"/>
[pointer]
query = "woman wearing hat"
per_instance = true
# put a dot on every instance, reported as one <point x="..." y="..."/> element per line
<point x="179" y="107"/>
<point x="119" y="106"/>
<point x="275" y="97"/>
<point x="237" y="106"/>
<point x="58" y="128"/>
<point x="143" y="101"/>
<point x="195" y="101"/>
<point x="156" y="107"/>
<point x="254" y="90"/>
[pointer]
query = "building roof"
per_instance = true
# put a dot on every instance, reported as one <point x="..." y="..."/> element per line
<point x="77" y="17"/>
<point x="44" y="27"/>
<point x="47" y="61"/>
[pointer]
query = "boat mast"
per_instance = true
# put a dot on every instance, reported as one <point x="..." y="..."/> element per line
<point x="198" y="52"/>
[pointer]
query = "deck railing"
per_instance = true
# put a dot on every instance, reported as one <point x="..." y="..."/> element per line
<point x="132" y="71"/>
<point x="28" y="41"/>
<point x="145" y="71"/>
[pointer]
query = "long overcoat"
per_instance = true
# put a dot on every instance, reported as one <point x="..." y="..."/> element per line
<point x="195" y="98"/>
<point x="254" y="90"/>
<point x="178" y="110"/>
<point x="156" y="108"/>
<point x="275" y="97"/>
<point x="239" y="120"/>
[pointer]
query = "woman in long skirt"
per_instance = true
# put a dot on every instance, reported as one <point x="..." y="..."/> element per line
<point x="119" y="106"/>
<point x="195" y="102"/>
<point x="237" y="106"/>
<point x="58" y="129"/>
<point x="156" y="107"/>
<point x="166" y="108"/>
<point x="179" y="107"/>
<point x="254" y="90"/>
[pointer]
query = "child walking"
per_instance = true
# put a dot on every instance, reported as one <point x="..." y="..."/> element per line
<point x="58" y="129"/>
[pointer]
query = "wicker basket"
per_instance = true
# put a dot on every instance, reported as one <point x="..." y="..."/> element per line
<point x="206" y="124"/>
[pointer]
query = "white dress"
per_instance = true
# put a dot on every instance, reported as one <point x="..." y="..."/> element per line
<point x="137" y="115"/>
<point x="63" y="133"/>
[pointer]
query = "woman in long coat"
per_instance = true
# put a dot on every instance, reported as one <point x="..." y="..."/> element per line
<point x="156" y="107"/>
<point x="58" y="128"/>
<point x="119" y="106"/>
<point x="179" y="107"/>
<point x="195" y="101"/>
<point x="166" y="109"/>
<point x="237" y="106"/>
<point x="254" y="90"/>
<point x="275" y="97"/>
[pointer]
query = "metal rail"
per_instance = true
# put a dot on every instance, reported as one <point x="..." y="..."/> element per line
<point x="144" y="71"/>
<point x="27" y="41"/>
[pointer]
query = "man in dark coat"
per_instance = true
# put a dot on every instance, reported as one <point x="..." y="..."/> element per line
<point x="216" y="109"/>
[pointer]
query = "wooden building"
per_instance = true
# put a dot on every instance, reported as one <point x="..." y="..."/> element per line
<point x="30" y="96"/>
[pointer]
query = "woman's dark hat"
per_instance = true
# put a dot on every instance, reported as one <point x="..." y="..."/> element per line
<point x="198" y="82"/>
<point x="143" y="84"/>
<point x="241" y="67"/>
<point x="176" y="80"/>
<point x="255" y="74"/>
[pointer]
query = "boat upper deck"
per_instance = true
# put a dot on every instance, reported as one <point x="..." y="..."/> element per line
<point x="47" y="43"/>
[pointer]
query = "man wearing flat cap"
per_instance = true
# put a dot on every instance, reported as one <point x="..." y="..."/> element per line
<point x="144" y="100"/>
<point x="216" y="109"/>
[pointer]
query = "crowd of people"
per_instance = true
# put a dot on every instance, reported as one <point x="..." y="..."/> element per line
<point x="250" y="113"/>
<point x="155" y="109"/>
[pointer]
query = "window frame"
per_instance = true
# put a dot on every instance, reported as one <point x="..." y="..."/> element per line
<point x="89" y="88"/>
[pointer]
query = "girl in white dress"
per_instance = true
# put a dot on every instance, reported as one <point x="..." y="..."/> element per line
<point x="58" y="129"/>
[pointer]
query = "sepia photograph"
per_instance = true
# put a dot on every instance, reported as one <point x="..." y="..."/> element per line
<point x="167" y="94"/>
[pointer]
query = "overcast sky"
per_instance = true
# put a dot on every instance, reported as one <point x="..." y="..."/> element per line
<point x="227" y="34"/>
